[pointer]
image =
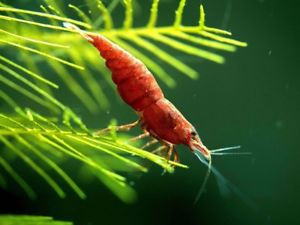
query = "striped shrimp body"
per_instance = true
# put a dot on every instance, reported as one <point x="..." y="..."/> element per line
<point x="139" y="89"/>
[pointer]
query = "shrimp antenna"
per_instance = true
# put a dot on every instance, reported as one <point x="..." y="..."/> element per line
<point x="221" y="151"/>
<point x="77" y="29"/>
<point x="231" y="153"/>
<point x="223" y="183"/>
<point x="208" y="164"/>
<point x="226" y="149"/>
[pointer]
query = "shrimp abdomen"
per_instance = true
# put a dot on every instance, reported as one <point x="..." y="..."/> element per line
<point x="135" y="83"/>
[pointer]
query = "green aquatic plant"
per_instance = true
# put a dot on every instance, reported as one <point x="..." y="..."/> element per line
<point x="30" y="220"/>
<point x="30" y="40"/>
<point x="134" y="39"/>
<point x="30" y="134"/>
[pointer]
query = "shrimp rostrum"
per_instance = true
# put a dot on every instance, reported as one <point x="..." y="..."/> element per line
<point x="137" y="86"/>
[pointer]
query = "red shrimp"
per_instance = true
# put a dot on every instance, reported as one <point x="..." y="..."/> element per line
<point x="137" y="86"/>
<point x="158" y="117"/>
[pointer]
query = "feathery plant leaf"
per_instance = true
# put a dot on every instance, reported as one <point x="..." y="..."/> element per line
<point x="144" y="37"/>
<point x="30" y="220"/>
<point x="30" y="134"/>
<point x="46" y="142"/>
<point x="18" y="135"/>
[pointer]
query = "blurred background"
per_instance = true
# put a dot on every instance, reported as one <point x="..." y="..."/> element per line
<point x="252" y="100"/>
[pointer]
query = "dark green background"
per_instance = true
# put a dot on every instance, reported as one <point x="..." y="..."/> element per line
<point x="252" y="101"/>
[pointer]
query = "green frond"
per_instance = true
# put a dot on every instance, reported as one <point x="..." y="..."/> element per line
<point x="128" y="14"/>
<point x="153" y="14"/>
<point x="49" y="16"/>
<point x="43" y="143"/>
<point x="30" y="220"/>
<point x="51" y="164"/>
<point x="43" y="54"/>
<point x="22" y="68"/>
<point x="81" y="14"/>
<point x="74" y="86"/>
<point x="29" y="84"/>
<point x="185" y="48"/>
<point x="55" y="8"/>
<point x="202" y="18"/>
<point x="178" y="14"/>
<point x="34" y="166"/>
<point x="24" y="92"/>
<point x="202" y="41"/>
<point x="163" y="55"/>
<point x="34" y="40"/>
<point x="207" y="34"/>
<point x="201" y="35"/>
<point x="91" y="83"/>
<point x="13" y="19"/>
<point x="23" y="184"/>
<point x="126" y="193"/>
<point x="11" y="103"/>
<point x="17" y="135"/>
<point x="106" y="15"/>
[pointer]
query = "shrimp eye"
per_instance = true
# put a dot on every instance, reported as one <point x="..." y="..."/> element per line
<point x="194" y="133"/>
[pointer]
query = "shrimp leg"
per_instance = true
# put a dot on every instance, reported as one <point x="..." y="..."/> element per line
<point x="165" y="146"/>
<point x="170" y="151"/>
<point x="176" y="156"/>
<point x="149" y="143"/>
<point x="159" y="149"/>
<point x="141" y="136"/>
<point x="125" y="127"/>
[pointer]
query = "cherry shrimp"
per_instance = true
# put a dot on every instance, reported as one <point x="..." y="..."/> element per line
<point x="158" y="117"/>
